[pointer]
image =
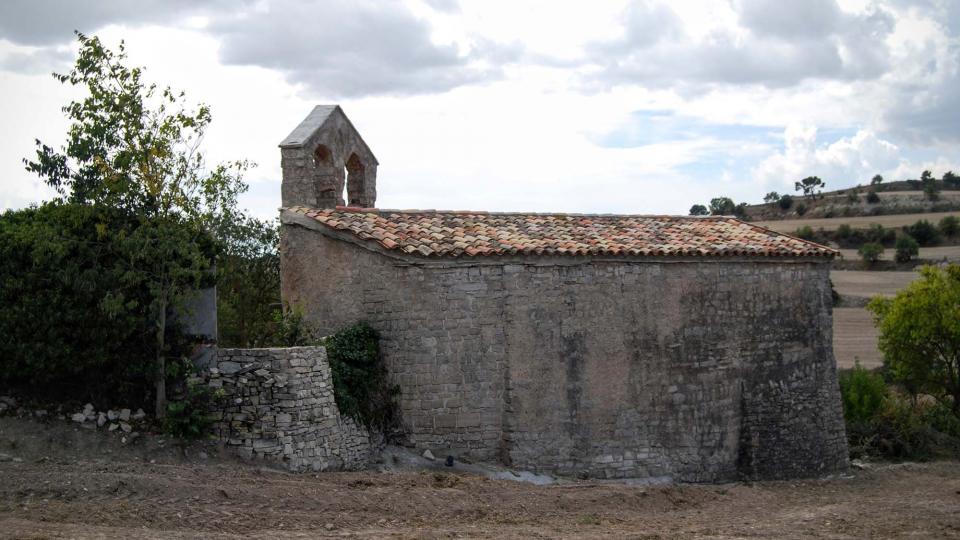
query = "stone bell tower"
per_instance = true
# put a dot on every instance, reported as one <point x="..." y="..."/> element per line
<point x="326" y="163"/>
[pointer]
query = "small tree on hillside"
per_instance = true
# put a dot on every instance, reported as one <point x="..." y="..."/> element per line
<point x="949" y="226"/>
<point x="876" y="180"/>
<point x="811" y="186"/>
<point x="722" y="206"/>
<point x="870" y="252"/>
<point x="907" y="248"/>
<point x="699" y="210"/>
<point x="930" y="187"/>
<point x="920" y="334"/>
<point x="771" y="197"/>
<point x="951" y="179"/>
<point x="135" y="147"/>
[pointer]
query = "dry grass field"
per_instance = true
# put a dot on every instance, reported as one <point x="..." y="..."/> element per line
<point x="855" y="338"/>
<point x="939" y="253"/>
<point x="865" y="284"/>
<point x="854" y="335"/>
<point x="859" y="222"/>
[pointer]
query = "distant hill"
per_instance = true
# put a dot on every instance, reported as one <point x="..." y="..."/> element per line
<point x="900" y="197"/>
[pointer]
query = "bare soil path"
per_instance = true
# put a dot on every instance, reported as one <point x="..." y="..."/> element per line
<point x="79" y="491"/>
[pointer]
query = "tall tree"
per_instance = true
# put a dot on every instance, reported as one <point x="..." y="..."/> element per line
<point x="135" y="147"/>
<point x="920" y="334"/>
<point x="811" y="186"/>
<point x="722" y="206"/>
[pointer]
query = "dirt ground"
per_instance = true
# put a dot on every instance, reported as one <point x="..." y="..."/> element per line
<point x="59" y="481"/>
<point x="830" y="224"/>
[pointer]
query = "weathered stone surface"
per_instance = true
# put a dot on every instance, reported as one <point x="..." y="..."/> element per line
<point x="296" y="422"/>
<point x="124" y="414"/>
<point x="324" y="155"/>
<point x="78" y="417"/>
<point x="698" y="369"/>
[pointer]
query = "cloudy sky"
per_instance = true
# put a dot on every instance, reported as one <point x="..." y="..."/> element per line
<point x="602" y="106"/>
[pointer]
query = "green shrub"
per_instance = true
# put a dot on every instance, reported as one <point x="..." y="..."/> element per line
<point x="907" y="248"/>
<point x="801" y="209"/>
<point x="870" y="252"/>
<point x="785" y="202"/>
<point x="872" y="197"/>
<point x="805" y="232"/>
<point x="949" y="226"/>
<point x="923" y="232"/>
<point x="863" y="393"/>
<point x="360" y="378"/>
<point x="880" y="235"/>
<point x="72" y="327"/>
<point x="844" y="231"/>
<point x="189" y="418"/>
<point x="882" y="423"/>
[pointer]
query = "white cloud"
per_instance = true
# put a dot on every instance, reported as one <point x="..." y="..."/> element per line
<point x="848" y="161"/>
<point x="470" y="105"/>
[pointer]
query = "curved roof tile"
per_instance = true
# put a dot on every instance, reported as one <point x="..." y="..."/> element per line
<point x="432" y="233"/>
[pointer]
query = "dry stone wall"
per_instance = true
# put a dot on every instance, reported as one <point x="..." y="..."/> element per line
<point x="278" y="404"/>
<point x="701" y="370"/>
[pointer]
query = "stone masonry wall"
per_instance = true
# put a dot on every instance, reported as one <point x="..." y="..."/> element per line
<point x="701" y="370"/>
<point x="278" y="404"/>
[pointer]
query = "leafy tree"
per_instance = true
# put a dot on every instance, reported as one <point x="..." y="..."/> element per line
<point x="805" y="232"/>
<point x="949" y="226"/>
<point x="876" y="180"/>
<point x="135" y="148"/>
<point x="699" y="210"/>
<point x="740" y="211"/>
<point x="951" y="179"/>
<point x="722" y="206"/>
<point x="811" y="186"/>
<point x="870" y="252"/>
<point x="920" y="334"/>
<point x="863" y="393"/>
<point x="60" y="265"/>
<point x="907" y="248"/>
<point x="929" y="183"/>
<point x="785" y="202"/>
<point x="923" y="232"/>
<point x="771" y="197"/>
<point x="248" y="292"/>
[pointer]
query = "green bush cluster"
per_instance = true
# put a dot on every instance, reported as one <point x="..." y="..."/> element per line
<point x="883" y="423"/>
<point x="924" y="232"/>
<point x="73" y="323"/>
<point x="870" y="252"/>
<point x="189" y="417"/>
<point x="949" y="226"/>
<point x="360" y="381"/>
<point x="907" y="248"/>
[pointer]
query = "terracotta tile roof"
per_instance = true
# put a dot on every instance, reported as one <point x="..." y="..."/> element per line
<point x="431" y="233"/>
